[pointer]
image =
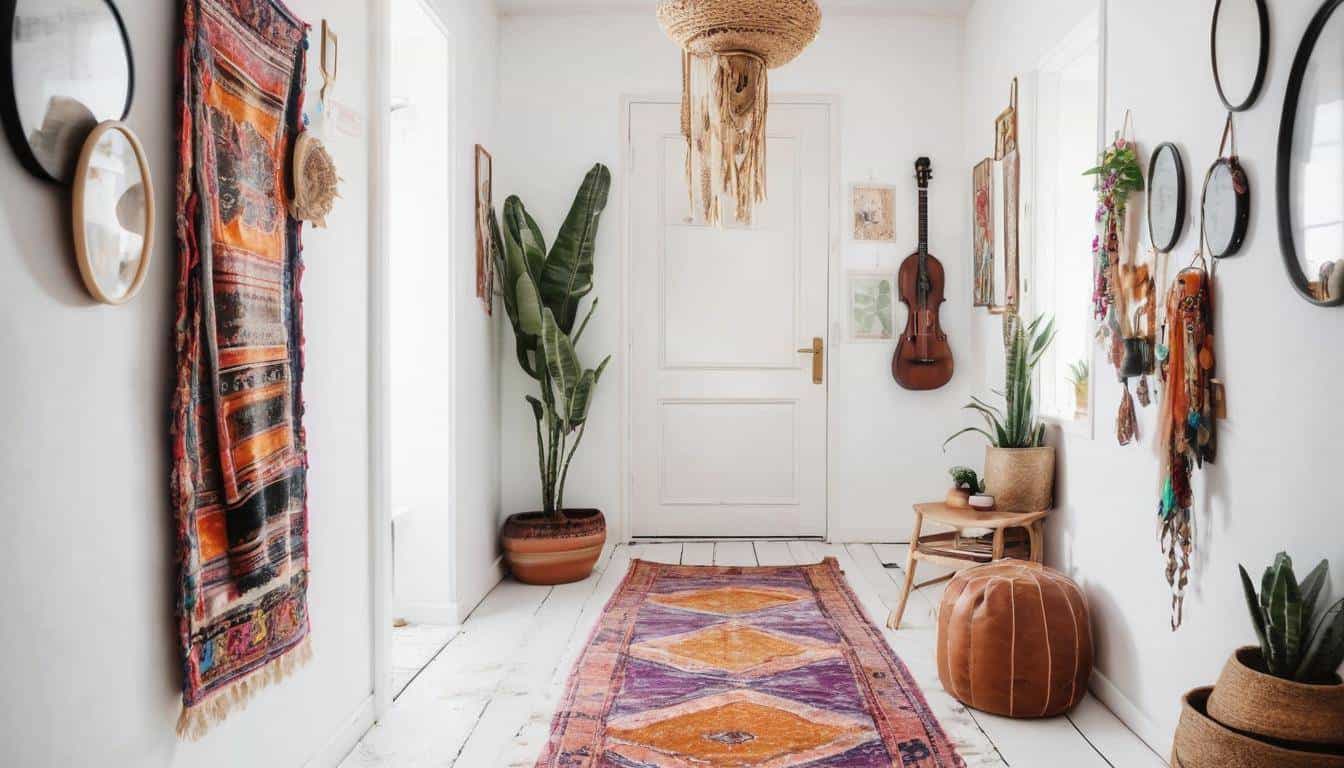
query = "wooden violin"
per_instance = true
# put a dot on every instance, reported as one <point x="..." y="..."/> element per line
<point x="923" y="358"/>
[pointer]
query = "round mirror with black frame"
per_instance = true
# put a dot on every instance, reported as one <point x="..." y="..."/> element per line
<point x="1238" y="26"/>
<point x="1310" y="187"/>
<point x="1226" y="207"/>
<point x="1166" y="197"/>
<point x="68" y="67"/>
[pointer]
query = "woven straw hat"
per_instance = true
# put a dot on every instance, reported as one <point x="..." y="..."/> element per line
<point x="315" y="181"/>
<point x="775" y="30"/>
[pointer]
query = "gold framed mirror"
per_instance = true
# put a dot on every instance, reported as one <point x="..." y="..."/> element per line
<point x="113" y="213"/>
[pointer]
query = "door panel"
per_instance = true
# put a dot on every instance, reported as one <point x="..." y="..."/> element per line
<point x="728" y="431"/>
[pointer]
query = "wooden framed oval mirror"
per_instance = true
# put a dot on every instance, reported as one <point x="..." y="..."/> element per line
<point x="67" y="67"/>
<point x="1239" y="50"/>
<point x="1310" y="187"/>
<point x="1166" y="197"/>
<point x="113" y="214"/>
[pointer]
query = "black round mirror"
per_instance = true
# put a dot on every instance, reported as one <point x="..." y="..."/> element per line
<point x="1225" y="206"/>
<point x="1310" y="186"/>
<point x="67" y="67"/>
<point x="1239" y="48"/>
<point x="1166" y="197"/>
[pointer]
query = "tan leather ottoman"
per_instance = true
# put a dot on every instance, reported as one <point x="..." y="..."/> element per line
<point x="1014" y="639"/>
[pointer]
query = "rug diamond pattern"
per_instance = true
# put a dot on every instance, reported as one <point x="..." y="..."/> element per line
<point x="728" y="601"/>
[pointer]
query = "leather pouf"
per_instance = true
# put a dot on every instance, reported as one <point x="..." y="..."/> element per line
<point x="1015" y="639"/>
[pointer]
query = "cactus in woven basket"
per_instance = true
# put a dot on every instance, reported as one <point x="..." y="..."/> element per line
<point x="1015" y="425"/>
<point x="1298" y="641"/>
<point x="542" y="290"/>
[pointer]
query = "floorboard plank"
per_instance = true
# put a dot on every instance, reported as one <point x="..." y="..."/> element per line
<point x="697" y="553"/>
<point x="1111" y="737"/>
<point x="661" y="552"/>
<point x="774" y="553"/>
<point x="734" y="553"/>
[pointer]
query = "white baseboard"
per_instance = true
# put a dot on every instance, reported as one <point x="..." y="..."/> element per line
<point x="464" y="608"/>
<point x="1159" y="739"/>
<point x="865" y="535"/>
<point x="345" y="739"/>
<point x="427" y="611"/>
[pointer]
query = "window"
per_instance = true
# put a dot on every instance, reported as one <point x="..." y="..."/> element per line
<point x="1067" y="138"/>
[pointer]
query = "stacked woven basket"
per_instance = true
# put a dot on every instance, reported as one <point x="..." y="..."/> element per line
<point x="1254" y="720"/>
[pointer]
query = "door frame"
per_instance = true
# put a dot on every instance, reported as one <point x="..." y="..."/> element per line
<point x="834" y="266"/>
<point x="380" y="328"/>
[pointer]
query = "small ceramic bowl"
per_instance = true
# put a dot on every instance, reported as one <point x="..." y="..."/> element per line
<point x="982" y="501"/>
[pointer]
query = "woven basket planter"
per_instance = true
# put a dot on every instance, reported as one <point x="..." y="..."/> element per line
<point x="1202" y="742"/>
<point x="775" y="30"/>
<point x="1020" y="479"/>
<point x="1253" y="702"/>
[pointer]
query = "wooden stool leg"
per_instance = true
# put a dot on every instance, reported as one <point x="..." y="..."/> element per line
<point x="1036" y="535"/>
<point x="997" y="554"/>
<point x="894" y="620"/>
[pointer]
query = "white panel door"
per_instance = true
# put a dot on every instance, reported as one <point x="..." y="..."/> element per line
<point x="728" y="430"/>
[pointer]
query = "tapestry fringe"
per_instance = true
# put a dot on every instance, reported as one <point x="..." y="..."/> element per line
<point x="196" y="721"/>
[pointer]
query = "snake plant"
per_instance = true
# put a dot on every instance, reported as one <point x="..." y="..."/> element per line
<point x="542" y="292"/>
<point x="1298" y="641"/>
<point x="1015" y="425"/>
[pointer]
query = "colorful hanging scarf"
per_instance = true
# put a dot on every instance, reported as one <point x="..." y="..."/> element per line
<point x="239" y="459"/>
<point x="1186" y="431"/>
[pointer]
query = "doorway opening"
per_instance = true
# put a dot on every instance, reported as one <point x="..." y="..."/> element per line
<point x="420" y="174"/>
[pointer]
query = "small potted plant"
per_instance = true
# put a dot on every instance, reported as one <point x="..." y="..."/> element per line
<point x="1287" y="688"/>
<point x="542" y="291"/>
<point x="965" y="483"/>
<point x="1078" y="378"/>
<point x="1019" y="466"/>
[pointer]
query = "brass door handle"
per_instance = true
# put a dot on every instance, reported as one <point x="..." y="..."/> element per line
<point x="818" y="358"/>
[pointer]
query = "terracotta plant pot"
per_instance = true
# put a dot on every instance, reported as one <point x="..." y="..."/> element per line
<point x="1020" y="479"/>
<point x="539" y="550"/>
<point x="1202" y="742"/>
<point x="958" y="498"/>
<point x="1249" y="700"/>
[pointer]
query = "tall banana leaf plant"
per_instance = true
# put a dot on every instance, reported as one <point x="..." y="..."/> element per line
<point x="1015" y="425"/>
<point x="542" y="292"/>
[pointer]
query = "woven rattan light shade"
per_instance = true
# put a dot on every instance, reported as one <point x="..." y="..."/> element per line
<point x="775" y="30"/>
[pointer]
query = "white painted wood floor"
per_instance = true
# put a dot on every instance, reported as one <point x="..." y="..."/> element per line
<point x="486" y="699"/>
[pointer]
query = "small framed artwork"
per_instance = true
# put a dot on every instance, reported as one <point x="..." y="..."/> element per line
<point x="874" y="213"/>
<point x="872" y="306"/>
<point x="1012" y="176"/>
<point x="484" y="198"/>
<point x="982" y="228"/>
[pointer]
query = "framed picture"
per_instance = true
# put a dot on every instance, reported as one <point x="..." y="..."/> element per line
<point x="982" y="229"/>
<point x="872" y="306"/>
<point x="484" y="198"/>
<point x="1012" y="176"/>
<point x="331" y="58"/>
<point x="874" y="213"/>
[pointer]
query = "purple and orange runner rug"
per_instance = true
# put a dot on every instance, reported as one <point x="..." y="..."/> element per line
<point x="773" y="667"/>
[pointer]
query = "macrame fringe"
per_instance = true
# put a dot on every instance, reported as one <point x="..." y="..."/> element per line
<point x="724" y="102"/>
<point x="196" y="721"/>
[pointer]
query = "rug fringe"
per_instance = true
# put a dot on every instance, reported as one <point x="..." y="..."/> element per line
<point x="196" y="721"/>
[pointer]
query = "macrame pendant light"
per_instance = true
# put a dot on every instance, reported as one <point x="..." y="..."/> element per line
<point x="727" y="48"/>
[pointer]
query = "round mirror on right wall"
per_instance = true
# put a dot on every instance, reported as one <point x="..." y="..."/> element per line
<point x="1239" y="48"/>
<point x="1310" y="184"/>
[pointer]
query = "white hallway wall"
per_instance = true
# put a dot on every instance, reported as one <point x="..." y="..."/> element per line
<point x="91" y="674"/>
<point x="897" y="80"/>
<point x="1279" y="444"/>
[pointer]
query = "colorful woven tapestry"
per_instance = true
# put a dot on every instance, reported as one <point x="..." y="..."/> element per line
<point x="238" y="484"/>
<point x="767" y="667"/>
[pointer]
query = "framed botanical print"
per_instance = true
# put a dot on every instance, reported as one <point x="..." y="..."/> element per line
<point x="982" y="229"/>
<point x="874" y="213"/>
<point x="872" y="306"/>
<point x="484" y="196"/>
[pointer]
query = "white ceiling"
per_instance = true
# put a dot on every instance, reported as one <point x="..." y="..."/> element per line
<point x="941" y="7"/>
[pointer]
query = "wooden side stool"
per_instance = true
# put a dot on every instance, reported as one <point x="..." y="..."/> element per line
<point x="1019" y="535"/>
